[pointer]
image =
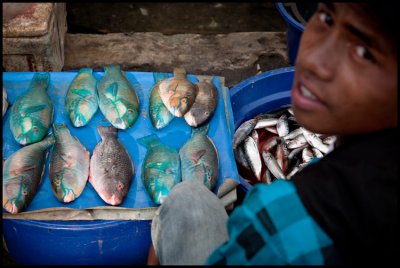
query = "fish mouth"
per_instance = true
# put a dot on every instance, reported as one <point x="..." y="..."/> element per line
<point x="12" y="208"/>
<point x="69" y="197"/>
<point x="22" y="139"/>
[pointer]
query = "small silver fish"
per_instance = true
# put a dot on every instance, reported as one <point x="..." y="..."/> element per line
<point x="297" y="142"/>
<point x="282" y="126"/>
<point x="307" y="155"/>
<point x="243" y="131"/>
<point x="314" y="141"/>
<point x="266" y="122"/>
<point x="273" y="165"/>
<point x="253" y="156"/>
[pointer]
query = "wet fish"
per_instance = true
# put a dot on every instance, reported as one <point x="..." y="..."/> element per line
<point x="204" y="105"/>
<point x="159" y="114"/>
<point x="282" y="126"/>
<point x="81" y="100"/>
<point x="117" y="98"/>
<point x="32" y="113"/>
<point x="273" y="165"/>
<point x="69" y="165"/>
<point x="22" y="174"/>
<point x="178" y="93"/>
<point x="111" y="168"/>
<point x="199" y="158"/>
<point x="314" y="141"/>
<point x="254" y="159"/>
<point x="5" y="102"/>
<point x="266" y="122"/>
<point x="242" y="131"/>
<point x="161" y="169"/>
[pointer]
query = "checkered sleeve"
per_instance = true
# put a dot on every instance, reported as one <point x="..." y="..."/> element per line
<point x="273" y="227"/>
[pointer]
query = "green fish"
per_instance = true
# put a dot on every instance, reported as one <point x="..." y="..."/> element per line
<point x="178" y="93"/>
<point x="81" y="100"/>
<point x="159" y="114"/>
<point x="22" y="174"/>
<point x="199" y="158"/>
<point x="32" y="113"/>
<point x="69" y="165"/>
<point x="118" y="100"/>
<point x="161" y="169"/>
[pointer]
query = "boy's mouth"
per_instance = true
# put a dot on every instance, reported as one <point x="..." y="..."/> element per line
<point x="306" y="93"/>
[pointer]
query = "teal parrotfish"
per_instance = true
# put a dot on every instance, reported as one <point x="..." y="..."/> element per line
<point x="32" y="113"/>
<point x="159" y="115"/>
<point x="199" y="158"/>
<point x="69" y="165"/>
<point x="81" y="100"/>
<point x="22" y="174"/>
<point x="161" y="169"/>
<point x="117" y="98"/>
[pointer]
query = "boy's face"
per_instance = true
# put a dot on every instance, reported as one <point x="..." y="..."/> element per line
<point x="346" y="74"/>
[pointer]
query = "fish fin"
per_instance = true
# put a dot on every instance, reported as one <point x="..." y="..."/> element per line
<point x="149" y="141"/>
<point x="112" y="91"/>
<point x="82" y="92"/>
<point x="203" y="129"/>
<point x="16" y="171"/>
<point x="196" y="156"/>
<point x="159" y="76"/>
<point x="34" y="109"/>
<point x="40" y="80"/>
<point x="107" y="131"/>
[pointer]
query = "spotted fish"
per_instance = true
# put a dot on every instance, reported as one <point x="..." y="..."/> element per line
<point x="199" y="158"/>
<point x="22" y="174"/>
<point x="178" y="93"/>
<point x="69" y="165"/>
<point x="32" y="113"/>
<point x="118" y="100"/>
<point x="204" y="105"/>
<point x="161" y="169"/>
<point x="111" y="168"/>
<point x="81" y="100"/>
<point x="159" y="114"/>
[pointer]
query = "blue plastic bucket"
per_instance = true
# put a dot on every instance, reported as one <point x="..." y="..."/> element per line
<point x="259" y="94"/>
<point x="293" y="32"/>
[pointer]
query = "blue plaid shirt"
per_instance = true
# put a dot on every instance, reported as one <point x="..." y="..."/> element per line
<point x="273" y="227"/>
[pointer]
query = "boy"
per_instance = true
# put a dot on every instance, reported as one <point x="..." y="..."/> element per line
<point x="342" y="209"/>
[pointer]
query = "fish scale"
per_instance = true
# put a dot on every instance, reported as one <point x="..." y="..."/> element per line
<point x="111" y="168"/>
<point x="22" y="174"/>
<point x="159" y="115"/>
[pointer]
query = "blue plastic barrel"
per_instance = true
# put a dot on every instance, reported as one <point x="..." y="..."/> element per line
<point x="294" y="31"/>
<point x="259" y="94"/>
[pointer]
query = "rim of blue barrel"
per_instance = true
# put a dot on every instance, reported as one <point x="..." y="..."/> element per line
<point x="261" y="76"/>
<point x="289" y="19"/>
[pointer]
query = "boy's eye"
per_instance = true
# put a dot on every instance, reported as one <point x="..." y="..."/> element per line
<point x="325" y="18"/>
<point x="363" y="53"/>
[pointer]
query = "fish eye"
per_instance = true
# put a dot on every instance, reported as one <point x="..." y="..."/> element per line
<point x="207" y="113"/>
<point x="184" y="100"/>
<point x="24" y="192"/>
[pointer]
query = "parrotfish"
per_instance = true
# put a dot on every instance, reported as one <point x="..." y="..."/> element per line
<point x="178" y="93"/>
<point x="161" y="169"/>
<point x="199" y="158"/>
<point x="5" y="102"/>
<point x="69" y="165"/>
<point x="118" y="100"/>
<point x="159" y="114"/>
<point x="204" y="105"/>
<point x="111" y="168"/>
<point x="81" y="100"/>
<point x="22" y="174"/>
<point x="32" y="112"/>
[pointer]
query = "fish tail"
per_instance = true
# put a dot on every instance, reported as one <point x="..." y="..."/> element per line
<point x="86" y="70"/>
<point x="48" y="141"/>
<point x="203" y="129"/>
<point x="111" y="67"/>
<point x="149" y="141"/>
<point x="107" y="131"/>
<point x="40" y="80"/>
<point x="160" y="76"/>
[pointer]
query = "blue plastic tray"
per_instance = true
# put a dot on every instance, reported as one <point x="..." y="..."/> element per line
<point x="175" y="135"/>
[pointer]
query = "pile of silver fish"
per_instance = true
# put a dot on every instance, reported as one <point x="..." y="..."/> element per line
<point x="69" y="165"/>
<point x="178" y="97"/>
<point x="32" y="113"/>
<point x="81" y="100"/>
<point x="274" y="146"/>
<point x="111" y="167"/>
